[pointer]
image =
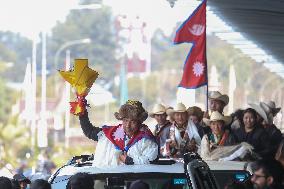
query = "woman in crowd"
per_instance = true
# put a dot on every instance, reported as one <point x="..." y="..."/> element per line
<point x="253" y="133"/>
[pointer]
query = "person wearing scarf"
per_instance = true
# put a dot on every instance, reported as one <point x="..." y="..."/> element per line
<point x="130" y="142"/>
<point x="218" y="135"/>
<point x="162" y="128"/>
<point x="184" y="135"/>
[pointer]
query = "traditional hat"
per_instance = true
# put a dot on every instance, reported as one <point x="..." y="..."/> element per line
<point x="180" y="107"/>
<point x="259" y="110"/>
<point x="132" y="109"/>
<point x="158" y="109"/>
<point x="216" y="95"/>
<point x="217" y="116"/>
<point x="270" y="106"/>
<point x="194" y="110"/>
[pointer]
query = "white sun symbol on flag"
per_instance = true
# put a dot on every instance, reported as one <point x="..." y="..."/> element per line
<point x="118" y="134"/>
<point x="198" y="69"/>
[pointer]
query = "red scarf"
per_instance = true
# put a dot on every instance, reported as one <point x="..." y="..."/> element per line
<point x="117" y="136"/>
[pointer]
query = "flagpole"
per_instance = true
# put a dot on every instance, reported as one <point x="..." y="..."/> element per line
<point x="207" y="95"/>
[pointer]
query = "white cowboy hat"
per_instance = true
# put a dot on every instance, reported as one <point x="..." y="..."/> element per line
<point x="158" y="109"/>
<point x="259" y="110"/>
<point x="180" y="107"/>
<point x="217" y="116"/>
<point x="216" y="95"/>
<point x="270" y="107"/>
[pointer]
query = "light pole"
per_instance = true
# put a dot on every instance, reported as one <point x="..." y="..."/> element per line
<point x="67" y="97"/>
<point x="63" y="47"/>
<point x="67" y="85"/>
<point x="68" y="44"/>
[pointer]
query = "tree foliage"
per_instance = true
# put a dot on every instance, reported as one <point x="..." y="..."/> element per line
<point x="16" y="49"/>
<point x="96" y="25"/>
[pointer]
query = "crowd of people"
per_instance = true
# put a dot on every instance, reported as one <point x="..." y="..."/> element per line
<point x="245" y="135"/>
<point x="248" y="134"/>
<point x="19" y="181"/>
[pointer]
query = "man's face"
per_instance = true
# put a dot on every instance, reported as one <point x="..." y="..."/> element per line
<point x="181" y="117"/>
<point x="130" y="126"/>
<point x="217" y="127"/>
<point x="161" y="118"/>
<point x="194" y="119"/>
<point x="216" y="105"/>
<point x="260" y="181"/>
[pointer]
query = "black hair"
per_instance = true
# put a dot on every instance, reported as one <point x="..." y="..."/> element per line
<point x="139" y="184"/>
<point x="238" y="114"/>
<point x="15" y="184"/>
<point x="252" y="112"/>
<point x="5" y="183"/>
<point x="81" y="181"/>
<point x="40" y="184"/>
<point x="270" y="167"/>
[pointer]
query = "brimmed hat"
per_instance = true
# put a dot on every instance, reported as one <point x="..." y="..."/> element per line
<point x="260" y="111"/>
<point x="194" y="110"/>
<point x="216" y="95"/>
<point x="270" y="106"/>
<point x="132" y="109"/>
<point x="158" y="109"/>
<point x="21" y="178"/>
<point x="180" y="107"/>
<point x="217" y="116"/>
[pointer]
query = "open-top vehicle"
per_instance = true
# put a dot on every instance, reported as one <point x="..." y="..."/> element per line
<point x="188" y="173"/>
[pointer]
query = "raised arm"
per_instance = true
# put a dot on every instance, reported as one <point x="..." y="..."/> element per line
<point x="88" y="129"/>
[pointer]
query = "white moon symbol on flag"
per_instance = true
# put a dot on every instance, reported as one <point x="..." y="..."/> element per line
<point x="197" y="29"/>
<point x="198" y="69"/>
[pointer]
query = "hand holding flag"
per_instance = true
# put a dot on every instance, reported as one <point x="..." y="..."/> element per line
<point x="81" y="78"/>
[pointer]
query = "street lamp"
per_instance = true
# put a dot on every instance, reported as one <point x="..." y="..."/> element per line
<point x="68" y="44"/>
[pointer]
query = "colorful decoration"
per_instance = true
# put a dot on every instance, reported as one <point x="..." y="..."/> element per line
<point x="81" y="79"/>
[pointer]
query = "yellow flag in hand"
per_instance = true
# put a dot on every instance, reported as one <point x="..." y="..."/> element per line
<point x="81" y="77"/>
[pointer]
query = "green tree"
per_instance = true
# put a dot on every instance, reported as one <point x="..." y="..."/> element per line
<point x="94" y="24"/>
<point x="16" y="49"/>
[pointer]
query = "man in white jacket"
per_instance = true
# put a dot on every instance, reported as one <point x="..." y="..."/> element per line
<point x="128" y="143"/>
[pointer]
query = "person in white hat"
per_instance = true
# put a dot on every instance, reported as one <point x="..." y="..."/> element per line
<point x="271" y="105"/>
<point x="217" y="101"/>
<point x="221" y="144"/>
<point x="253" y="133"/>
<point x="218" y="136"/>
<point x="274" y="134"/>
<point x="184" y="135"/>
<point x="162" y="128"/>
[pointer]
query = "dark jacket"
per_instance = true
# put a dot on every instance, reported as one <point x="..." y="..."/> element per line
<point x="275" y="137"/>
<point x="257" y="138"/>
<point x="88" y="129"/>
<point x="231" y="139"/>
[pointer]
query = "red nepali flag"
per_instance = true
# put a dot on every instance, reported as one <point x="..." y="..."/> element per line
<point x="193" y="30"/>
